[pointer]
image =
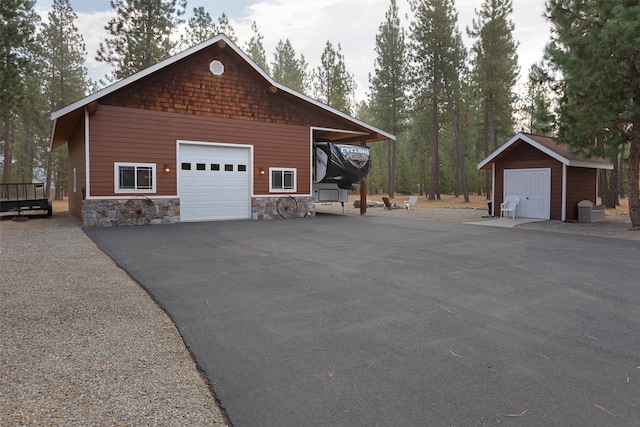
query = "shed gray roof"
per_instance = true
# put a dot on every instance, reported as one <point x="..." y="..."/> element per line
<point x="557" y="150"/>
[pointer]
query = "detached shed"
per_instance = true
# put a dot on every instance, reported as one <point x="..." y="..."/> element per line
<point x="549" y="179"/>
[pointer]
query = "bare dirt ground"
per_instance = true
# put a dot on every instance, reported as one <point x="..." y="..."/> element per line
<point x="454" y="209"/>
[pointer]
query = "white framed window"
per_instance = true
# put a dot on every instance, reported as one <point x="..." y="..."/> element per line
<point x="282" y="180"/>
<point x="134" y="177"/>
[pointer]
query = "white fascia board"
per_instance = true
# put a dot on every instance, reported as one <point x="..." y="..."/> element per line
<point x="529" y="141"/>
<point x="592" y="165"/>
<point x="547" y="151"/>
<point x="53" y="132"/>
<point x="499" y="150"/>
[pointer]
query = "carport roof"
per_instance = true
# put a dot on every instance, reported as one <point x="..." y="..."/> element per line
<point x="557" y="150"/>
<point x="65" y="118"/>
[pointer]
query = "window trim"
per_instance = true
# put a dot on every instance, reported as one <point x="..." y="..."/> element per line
<point x="283" y="190"/>
<point x="116" y="178"/>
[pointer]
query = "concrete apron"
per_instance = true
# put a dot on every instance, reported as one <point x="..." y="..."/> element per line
<point x="506" y="222"/>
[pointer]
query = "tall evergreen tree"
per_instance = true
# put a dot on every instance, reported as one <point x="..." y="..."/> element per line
<point x="388" y="85"/>
<point x="595" y="46"/>
<point x="538" y="104"/>
<point x="333" y="84"/>
<point x="495" y="70"/>
<point x="226" y="28"/>
<point x="288" y="70"/>
<point x="18" y="22"/>
<point x="200" y="27"/>
<point x="255" y="48"/>
<point x="62" y="52"/>
<point x="140" y="34"/>
<point x="439" y="56"/>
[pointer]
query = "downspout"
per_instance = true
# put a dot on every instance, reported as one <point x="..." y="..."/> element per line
<point x="493" y="188"/>
<point x="87" y="193"/>
<point x="597" y="186"/>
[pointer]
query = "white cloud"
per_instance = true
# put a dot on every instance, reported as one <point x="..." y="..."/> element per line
<point x="91" y="26"/>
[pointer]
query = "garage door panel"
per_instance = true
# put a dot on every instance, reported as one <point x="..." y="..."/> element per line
<point x="214" y="188"/>
<point x="533" y="186"/>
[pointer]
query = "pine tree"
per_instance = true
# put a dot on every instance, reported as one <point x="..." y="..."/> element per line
<point x="439" y="56"/>
<point x="539" y="101"/>
<point x="62" y="52"/>
<point x="288" y="70"/>
<point x="226" y="28"/>
<point x="18" y="22"/>
<point x="140" y="34"/>
<point x="595" y="47"/>
<point x="388" y="85"/>
<point x="333" y="85"/>
<point x="495" y="70"/>
<point x="255" y="49"/>
<point x="200" y="28"/>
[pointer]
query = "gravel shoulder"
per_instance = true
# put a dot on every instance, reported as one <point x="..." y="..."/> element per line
<point x="81" y="343"/>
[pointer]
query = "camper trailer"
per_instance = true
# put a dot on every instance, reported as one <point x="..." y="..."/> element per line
<point x="336" y="168"/>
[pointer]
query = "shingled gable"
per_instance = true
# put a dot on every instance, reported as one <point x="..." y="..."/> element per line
<point x="66" y="118"/>
<point x="549" y="146"/>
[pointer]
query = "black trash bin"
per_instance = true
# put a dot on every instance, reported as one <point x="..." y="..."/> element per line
<point x="490" y="207"/>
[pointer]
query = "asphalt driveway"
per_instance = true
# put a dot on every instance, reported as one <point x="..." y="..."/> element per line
<point x="362" y="321"/>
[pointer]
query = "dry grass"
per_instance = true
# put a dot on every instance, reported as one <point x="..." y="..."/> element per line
<point x="60" y="205"/>
<point x="446" y="201"/>
<point x="475" y="202"/>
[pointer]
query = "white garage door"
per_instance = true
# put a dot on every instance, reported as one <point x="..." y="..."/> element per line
<point x="534" y="188"/>
<point x="213" y="182"/>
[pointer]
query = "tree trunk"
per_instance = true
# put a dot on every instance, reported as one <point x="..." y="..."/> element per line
<point x="456" y="132"/>
<point x="435" y="161"/>
<point x="6" y="173"/>
<point x="621" y="190"/>
<point x="47" y="187"/>
<point x="634" y="178"/>
<point x="422" y="167"/>
<point x="391" y="155"/>
<point x="603" y="189"/>
<point x="487" y="174"/>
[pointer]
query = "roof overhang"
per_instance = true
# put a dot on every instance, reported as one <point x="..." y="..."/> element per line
<point x="65" y="118"/>
<point x="574" y="162"/>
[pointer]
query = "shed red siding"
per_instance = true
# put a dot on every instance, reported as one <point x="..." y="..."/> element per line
<point x="147" y="136"/>
<point x="580" y="186"/>
<point x="524" y="156"/>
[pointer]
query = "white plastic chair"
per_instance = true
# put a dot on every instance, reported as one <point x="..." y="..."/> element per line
<point x="411" y="203"/>
<point x="509" y="206"/>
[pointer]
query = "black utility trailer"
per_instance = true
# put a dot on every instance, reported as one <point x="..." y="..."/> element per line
<point x="24" y="196"/>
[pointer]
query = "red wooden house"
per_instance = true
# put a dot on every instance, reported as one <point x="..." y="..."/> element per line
<point x="547" y="176"/>
<point x="203" y="135"/>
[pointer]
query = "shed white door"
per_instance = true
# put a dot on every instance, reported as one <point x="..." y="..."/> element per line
<point x="213" y="182"/>
<point x="534" y="188"/>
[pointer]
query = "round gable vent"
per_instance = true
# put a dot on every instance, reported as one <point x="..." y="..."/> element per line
<point x="216" y="67"/>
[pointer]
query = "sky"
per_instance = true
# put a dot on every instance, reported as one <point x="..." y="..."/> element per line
<point x="309" y="24"/>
